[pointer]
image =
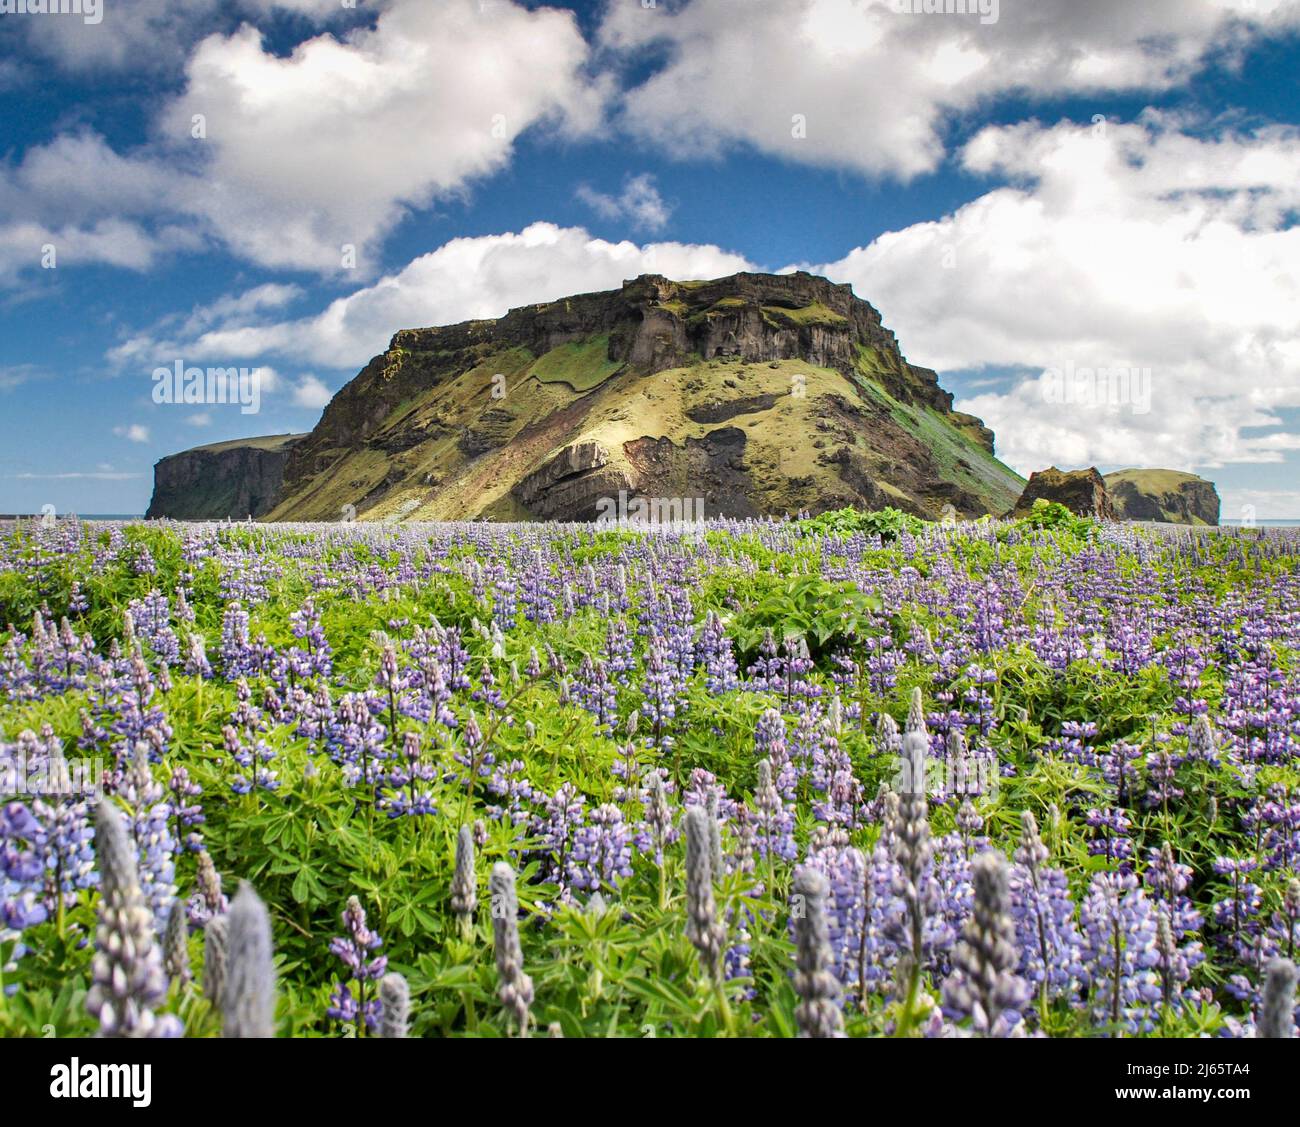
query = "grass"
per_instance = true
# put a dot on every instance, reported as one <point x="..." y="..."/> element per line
<point x="582" y="365"/>
<point x="814" y="314"/>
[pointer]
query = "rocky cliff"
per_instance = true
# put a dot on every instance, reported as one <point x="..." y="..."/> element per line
<point x="748" y="395"/>
<point x="1167" y="496"/>
<point x="1083" y="492"/>
<point x="235" y="479"/>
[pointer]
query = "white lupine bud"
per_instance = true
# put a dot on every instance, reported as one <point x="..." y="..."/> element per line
<point x="248" y="997"/>
<point x="464" y="882"/>
<point x="176" y="947"/>
<point x="703" y="928"/>
<point x="818" y="1012"/>
<point x="515" y="988"/>
<point x="1277" y="1014"/>
<point x="215" y="935"/>
<point x="394" y="1007"/>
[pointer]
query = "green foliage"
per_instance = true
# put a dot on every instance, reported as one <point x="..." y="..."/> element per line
<point x="821" y="613"/>
<point x="1053" y="516"/>
<point x="888" y="524"/>
<point x="629" y="971"/>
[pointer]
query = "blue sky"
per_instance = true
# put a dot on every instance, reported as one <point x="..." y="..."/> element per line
<point x="1065" y="188"/>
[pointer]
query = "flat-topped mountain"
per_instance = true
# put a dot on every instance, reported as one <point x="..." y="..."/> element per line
<point x="239" y="478"/>
<point x="755" y="394"/>
<point x="1168" y="496"/>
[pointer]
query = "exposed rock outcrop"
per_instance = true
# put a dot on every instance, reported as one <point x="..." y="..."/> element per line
<point x="1083" y="492"/>
<point x="1167" y="496"/>
<point x="235" y="480"/>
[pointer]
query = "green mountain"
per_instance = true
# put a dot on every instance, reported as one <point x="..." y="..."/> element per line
<point x="751" y="395"/>
<point x="1167" y="496"/>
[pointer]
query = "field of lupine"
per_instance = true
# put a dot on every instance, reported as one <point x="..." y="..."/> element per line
<point x="771" y="779"/>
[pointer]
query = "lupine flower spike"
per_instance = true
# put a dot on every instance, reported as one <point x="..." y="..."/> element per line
<point x="1277" y="1016"/>
<point x="818" y="1012"/>
<point x="128" y="976"/>
<point x="703" y="928"/>
<point x="215" y="937"/>
<point x="515" y="988"/>
<point x="248" y="994"/>
<point x="176" y="948"/>
<point x="464" y="883"/>
<point x="394" y="1006"/>
<point x="984" y="985"/>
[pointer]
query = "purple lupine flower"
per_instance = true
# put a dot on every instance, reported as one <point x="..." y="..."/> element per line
<point x="1046" y="934"/>
<point x="354" y="949"/>
<point x="129" y="981"/>
<point x="773" y="817"/>
<point x="601" y="854"/>
<point x="515" y="988"/>
<point x="984" y="986"/>
<point x="1120" y="952"/>
<point x="715" y="653"/>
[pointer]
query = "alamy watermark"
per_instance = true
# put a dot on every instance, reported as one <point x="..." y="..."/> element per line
<point x="643" y="512"/>
<point x="988" y="11"/>
<point x="88" y="1081"/>
<point x="1099" y="387"/>
<point x="91" y="11"/>
<point x="968" y="773"/>
<point x="45" y="776"/>
<point x="179" y="384"/>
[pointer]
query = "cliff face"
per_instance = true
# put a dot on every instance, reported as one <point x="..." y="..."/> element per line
<point x="749" y="395"/>
<point x="1164" y="495"/>
<point x="1083" y="492"/>
<point x="235" y="479"/>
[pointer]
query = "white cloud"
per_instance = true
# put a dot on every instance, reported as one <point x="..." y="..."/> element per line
<point x="157" y="36"/>
<point x="330" y="145"/>
<point x="1262" y="504"/>
<point x="304" y="154"/>
<point x="199" y="419"/>
<point x="875" y="90"/>
<point x="135" y="432"/>
<point x="463" y="279"/>
<point x="639" y="202"/>
<point x="97" y="475"/>
<point x="14" y="375"/>
<point x="311" y="392"/>
<point x="1143" y="247"/>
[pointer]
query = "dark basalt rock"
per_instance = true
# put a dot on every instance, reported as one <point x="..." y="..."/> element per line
<point x="1083" y="492"/>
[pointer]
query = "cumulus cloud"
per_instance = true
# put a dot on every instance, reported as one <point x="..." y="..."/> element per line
<point x="155" y="37"/>
<point x="855" y="84"/>
<point x="329" y="146"/>
<point x="463" y="279"/>
<point x="1130" y="247"/>
<point x="133" y="432"/>
<point x="289" y="160"/>
<point x="639" y="202"/>
<point x="311" y="392"/>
